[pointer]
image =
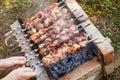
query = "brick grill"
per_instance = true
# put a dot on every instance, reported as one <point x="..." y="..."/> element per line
<point x="65" y="66"/>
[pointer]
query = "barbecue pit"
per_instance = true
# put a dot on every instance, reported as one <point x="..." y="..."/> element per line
<point x="64" y="66"/>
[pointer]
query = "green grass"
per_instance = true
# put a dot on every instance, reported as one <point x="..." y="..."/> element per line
<point x="18" y="4"/>
<point x="105" y="10"/>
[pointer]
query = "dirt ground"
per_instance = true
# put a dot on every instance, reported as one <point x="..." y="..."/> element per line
<point x="8" y="14"/>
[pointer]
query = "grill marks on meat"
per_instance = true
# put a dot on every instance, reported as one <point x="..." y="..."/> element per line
<point x="43" y="15"/>
<point x="55" y="28"/>
<point x="45" y="18"/>
<point x="34" y="36"/>
<point x="40" y="39"/>
<point x="66" y="49"/>
<point x="56" y="34"/>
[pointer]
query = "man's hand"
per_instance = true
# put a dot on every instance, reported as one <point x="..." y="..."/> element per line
<point x="21" y="74"/>
<point x="12" y="63"/>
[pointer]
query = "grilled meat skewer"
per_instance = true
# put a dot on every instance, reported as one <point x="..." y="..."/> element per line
<point x="61" y="54"/>
<point x="46" y="17"/>
<point x="40" y="32"/>
<point x="34" y="36"/>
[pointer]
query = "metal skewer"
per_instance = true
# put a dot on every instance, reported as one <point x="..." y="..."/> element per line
<point x="93" y="39"/>
<point x="18" y="27"/>
<point x="92" y="33"/>
<point x="36" y="50"/>
<point x="20" y="52"/>
<point x="61" y="2"/>
<point x="62" y="6"/>
<point x="36" y="55"/>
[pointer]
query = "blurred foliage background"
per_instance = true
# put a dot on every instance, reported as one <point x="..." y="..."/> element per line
<point x="105" y="14"/>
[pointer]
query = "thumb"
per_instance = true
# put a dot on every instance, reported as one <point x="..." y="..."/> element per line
<point x="19" y="62"/>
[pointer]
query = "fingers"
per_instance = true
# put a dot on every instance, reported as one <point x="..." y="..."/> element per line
<point x="19" y="58"/>
<point x="27" y="69"/>
<point x="21" y="74"/>
<point x="19" y="62"/>
<point x="31" y="73"/>
<point x="27" y="64"/>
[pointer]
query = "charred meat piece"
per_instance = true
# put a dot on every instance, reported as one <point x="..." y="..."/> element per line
<point x="35" y="20"/>
<point x="55" y="30"/>
<point x="75" y="48"/>
<point x="70" y="43"/>
<point x="30" y="23"/>
<point x="41" y="38"/>
<point x="54" y="58"/>
<point x="83" y="44"/>
<point x="56" y="42"/>
<point x="52" y="47"/>
<point x="34" y="36"/>
<point x="77" y="39"/>
<point x="39" y="26"/>
<point x="32" y="31"/>
<point x="41" y="45"/>
<point x="48" y="41"/>
<point x="61" y="22"/>
<point x="59" y="39"/>
<point x="63" y="38"/>
<point x="27" y="24"/>
<point x="48" y="60"/>
<point x="65" y="50"/>
<point x="43" y="51"/>
<point x="47" y="22"/>
<point x="41" y="15"/>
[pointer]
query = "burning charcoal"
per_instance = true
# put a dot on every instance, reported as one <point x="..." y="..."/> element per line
<point x="69" y="67"/>
<point x="84" y="54"/>
<point x="55" y="72"/>
<point x="74" y="60"/>
<point x="55" y="75"/>
<point x="90" y="56"/>
<point x="77" y="59"/>
<point x="61" y="69"/>
<point x="64" y="61"/>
